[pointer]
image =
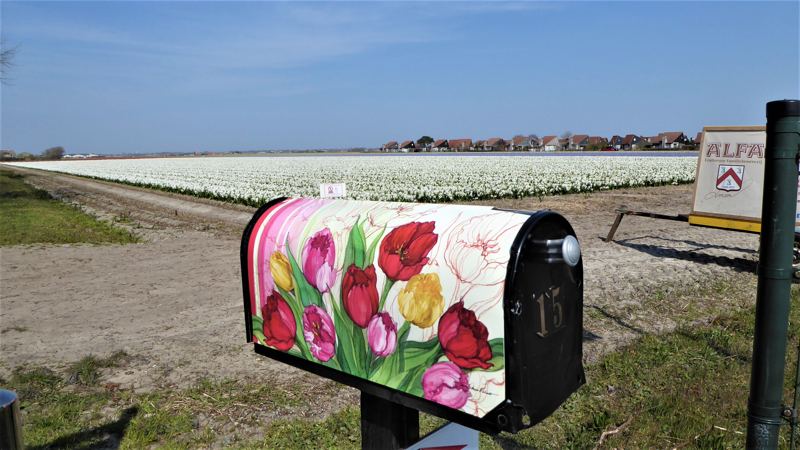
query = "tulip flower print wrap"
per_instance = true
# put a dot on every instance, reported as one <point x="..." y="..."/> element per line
<point x="399" y="295"/>
<point x="382" y="334"/>
<point x="279" y="323"/>
<point x="445" y="383"/>
<point x="319" y="255"/>
<point x="319" y="332"/>
<point x="464" y="338"/>
<point x="404" y="251"/>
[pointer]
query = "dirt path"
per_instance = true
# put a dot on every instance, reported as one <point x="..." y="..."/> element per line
<point x="174" y="302"/>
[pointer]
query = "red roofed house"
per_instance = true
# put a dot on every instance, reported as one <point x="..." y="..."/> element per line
<point x="460" y="145"/>
<point x="496" y="144"/>
<point x="578" y="142"/>
<point x="550" y="143"/>
<point x="632" y="142"/>
<point x="407" y="146"/>
<point x="519" y="142"/>
<point x="390" y="146"/>
<point x="698" y="138"/>
<point x="524" y="143"/>
<point x="673" y="139"/>
<point x="440" y="145"/>
<point x="655" y="141"/>
<point x="597" y="142"/>
<point x="616" y="142"/>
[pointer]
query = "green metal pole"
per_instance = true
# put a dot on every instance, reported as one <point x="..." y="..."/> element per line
<point x="774" y="274"/>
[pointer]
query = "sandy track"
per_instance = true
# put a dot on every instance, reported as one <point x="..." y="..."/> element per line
<point x="174" y="301"/>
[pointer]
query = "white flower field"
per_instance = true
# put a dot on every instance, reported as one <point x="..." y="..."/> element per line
<point x="254" y="180"/>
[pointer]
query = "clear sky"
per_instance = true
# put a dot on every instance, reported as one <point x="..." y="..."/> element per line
<point x="118" y="77"/>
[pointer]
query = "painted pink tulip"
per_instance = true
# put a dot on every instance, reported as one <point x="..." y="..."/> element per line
<point x="319" y="255"/>
<point x="319" y="333"/>
<point x="445" y="383"/>
<point x="382" y="334"/>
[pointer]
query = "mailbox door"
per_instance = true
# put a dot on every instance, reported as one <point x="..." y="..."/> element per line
<point x="544" y="319"/>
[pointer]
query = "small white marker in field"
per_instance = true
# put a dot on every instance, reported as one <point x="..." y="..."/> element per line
<point x="332" y="190"/>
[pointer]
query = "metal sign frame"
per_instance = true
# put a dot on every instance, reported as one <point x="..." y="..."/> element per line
<point x="713" y="220"/>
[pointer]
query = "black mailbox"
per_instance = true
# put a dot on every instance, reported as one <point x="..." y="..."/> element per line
<point x="470" y="313"/>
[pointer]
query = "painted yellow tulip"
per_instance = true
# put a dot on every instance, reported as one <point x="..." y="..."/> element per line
<point x="281" y="271"/>
<point x="421" y="301"/>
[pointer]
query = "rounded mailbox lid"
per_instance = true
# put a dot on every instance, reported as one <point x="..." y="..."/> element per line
<point x="544" y="320"/>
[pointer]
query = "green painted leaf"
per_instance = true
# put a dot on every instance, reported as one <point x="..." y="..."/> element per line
<point x="412" y="382"/>
<point x="344" y="349"/>
<point x="498" y="360"/>
<point x="388" y="372"/>
<point x="348" y="251"/>
<point x="291" y="300"/>
<point x="297" y="312"/>
<point x="402" y="337"/>
<point x="427" y="345"/>
<point x="306" y="293"/>
<point x="355" y="251"/>
<point x="371" y="250"/>
<point x="361" y="352"/>
<point x="260" y="336"/>
<point x="258" y="323"/>
<point x="416" y="354"/>
<point x="359" y="246"/>
<point x="404" y="371"/>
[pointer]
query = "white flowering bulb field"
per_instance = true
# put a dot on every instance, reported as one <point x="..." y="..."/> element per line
<point x="254" y="180"/>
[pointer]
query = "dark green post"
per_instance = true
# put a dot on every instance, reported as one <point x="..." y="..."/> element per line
<point x="774" y="273"/>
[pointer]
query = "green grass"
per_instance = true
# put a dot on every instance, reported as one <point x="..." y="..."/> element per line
<point x="86" y="371"/>
<point x="683" y="389"/>
<point x="31" y="216"/>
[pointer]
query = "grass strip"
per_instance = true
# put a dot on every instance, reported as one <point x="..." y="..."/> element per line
<point x="32" y="216"/>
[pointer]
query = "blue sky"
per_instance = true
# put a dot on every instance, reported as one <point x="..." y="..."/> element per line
<point x="118" y="77"/>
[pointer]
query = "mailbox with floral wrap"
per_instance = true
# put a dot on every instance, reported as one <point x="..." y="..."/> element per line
<point x="466" y="312"/>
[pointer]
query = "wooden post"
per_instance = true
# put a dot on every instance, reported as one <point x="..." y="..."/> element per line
<point x="387" y="425"/>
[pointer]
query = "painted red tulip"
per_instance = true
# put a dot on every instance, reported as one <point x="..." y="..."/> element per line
<point x="445" y="383"/>
<point x="404" y="251"/>
<point x="464" y="338"/>
<point x="319" y="333"/>
<point x="360" y="294"/>
<point x="279" y="323"/>
<point x="382" y="334"/>
<point x="319" y="255"/>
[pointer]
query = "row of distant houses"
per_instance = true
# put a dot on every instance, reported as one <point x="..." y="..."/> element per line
<point x="576" y="142"/>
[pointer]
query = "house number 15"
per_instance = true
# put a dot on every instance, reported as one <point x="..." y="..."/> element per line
<point x="551" y="312"/>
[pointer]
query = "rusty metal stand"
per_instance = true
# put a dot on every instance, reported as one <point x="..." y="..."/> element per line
<point x="627" y="212"/>
<point x="386" y="424"/>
